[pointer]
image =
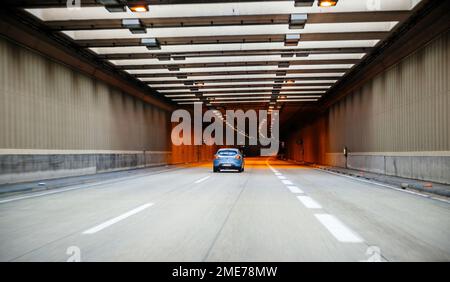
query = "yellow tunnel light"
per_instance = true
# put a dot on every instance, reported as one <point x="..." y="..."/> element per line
<point x="138" y="8"/>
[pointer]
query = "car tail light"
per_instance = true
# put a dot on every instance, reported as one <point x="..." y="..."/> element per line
<point x="238" y="157"/>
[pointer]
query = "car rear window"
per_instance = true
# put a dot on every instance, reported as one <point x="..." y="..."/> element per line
<point x="227" y="153"/>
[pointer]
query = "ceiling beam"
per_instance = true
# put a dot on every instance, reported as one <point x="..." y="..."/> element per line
<point x="93" y="3"/>
<point x="234" y="39"/>
<point x="287" y="85"/>
<point x="313" y="18"/>
<point x="29" y="37"/>
<point x="263" y="92"/>
<point x="430" y="19"/>
<point x="243" y="80"/>
<point x="240" y="64"/>
<point x="200" y="54"/>
<point x="229" y="73"/>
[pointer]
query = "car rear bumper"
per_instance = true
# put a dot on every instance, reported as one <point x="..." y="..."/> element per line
<point x="228" y="165"/>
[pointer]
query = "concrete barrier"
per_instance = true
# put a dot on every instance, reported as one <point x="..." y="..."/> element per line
<point x="29" y="167"/>
<point x="434" y="168"/>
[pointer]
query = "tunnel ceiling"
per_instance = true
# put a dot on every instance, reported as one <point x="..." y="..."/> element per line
<point x="259" y="54"/>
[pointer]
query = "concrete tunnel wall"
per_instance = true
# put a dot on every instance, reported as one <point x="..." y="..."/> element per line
<point x="396" y="124"/>
<point x="57" y="122"/>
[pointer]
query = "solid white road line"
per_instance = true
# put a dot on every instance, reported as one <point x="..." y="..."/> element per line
<point x="42" y="194"/>
<point x="309" y="202"/>
<point x="202" y="179"/>
<point x="281" y="177"/>
<point x="385" y="185"/>
<point x="82" y="186"/>
<point x="112" y="221"/>
<point x="287" y="182"/>
<point x="295" y="189"/>
<point x="277" y="174"/>
<point x="341" y="232"/>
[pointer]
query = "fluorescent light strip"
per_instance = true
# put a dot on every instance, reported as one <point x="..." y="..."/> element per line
<point x="245" y="76"/>
<point x="240" y="68"/>
<point x="260" y="93"/>
<point x="261" y="82"/>
<point x="240" y="101"/>
<point x="300" y="96"/>
<point x="223" y="59"/>
<point x="297" y="100"/>
<point x="217" y="89"/>
<point x="188" y="103"/>
<point x="290" y="88"/>
<point x="248" y="83"/>
<point x="187" y="99"/>
<point x="241" y="98"/>
<point x="166" y="85"/>
<point x="180" y="95"/>
<point x="247" y="88"/>
<point x="296" y="91"/>
<point x="235" y="47"/>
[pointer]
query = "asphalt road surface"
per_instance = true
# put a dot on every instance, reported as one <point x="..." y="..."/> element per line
<point x="274" y="211"/>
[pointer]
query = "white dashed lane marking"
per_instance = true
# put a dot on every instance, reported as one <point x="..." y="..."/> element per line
<point x="309" y="202"/>
<point x="201" y="179"/>
<point x="287" y="182"/>
<point x="341" y="232"/>
<point x="112" y="221"/>
<point x="338" y="229"/>
<point x="295" y="189"/>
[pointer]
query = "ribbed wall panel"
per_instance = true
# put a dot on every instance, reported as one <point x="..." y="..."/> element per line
<point x="46" y="105"/>
<point x="404" y="109"/>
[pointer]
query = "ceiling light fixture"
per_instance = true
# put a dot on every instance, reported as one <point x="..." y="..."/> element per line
<point x="327" y="3"/>
<point x="116" y="8"/>
<point x="113" y="6"/>
<point x="283" y="64"/>
<point x="138" y="8"/>
<point x="303" y="3"/>
<point x="134" y="25"/>
<point x="173" y="68"/>
<point x="298" y="21"/>
<point x="291" y="39"/>
<point x="303" y="55"/>
<point x="151" y="43"/>
<point x="164" y="57"/>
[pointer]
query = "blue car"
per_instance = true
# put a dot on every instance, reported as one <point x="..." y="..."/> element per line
<point x="229" y="158"/>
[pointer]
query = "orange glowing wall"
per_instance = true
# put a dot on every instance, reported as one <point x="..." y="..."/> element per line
<point x="191" y="153"/>
<point x="402" y="112"/>
<point x="310" y="143"/>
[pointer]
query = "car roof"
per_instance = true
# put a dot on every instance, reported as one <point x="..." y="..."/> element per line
<point x="228" y="149"/>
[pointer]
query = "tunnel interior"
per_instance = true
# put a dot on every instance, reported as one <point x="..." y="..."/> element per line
<point x="92" y="89"/>
<point x="120" y="122"/>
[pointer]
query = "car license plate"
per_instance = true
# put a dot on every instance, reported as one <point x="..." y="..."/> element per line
<point x="226" y="164"/>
